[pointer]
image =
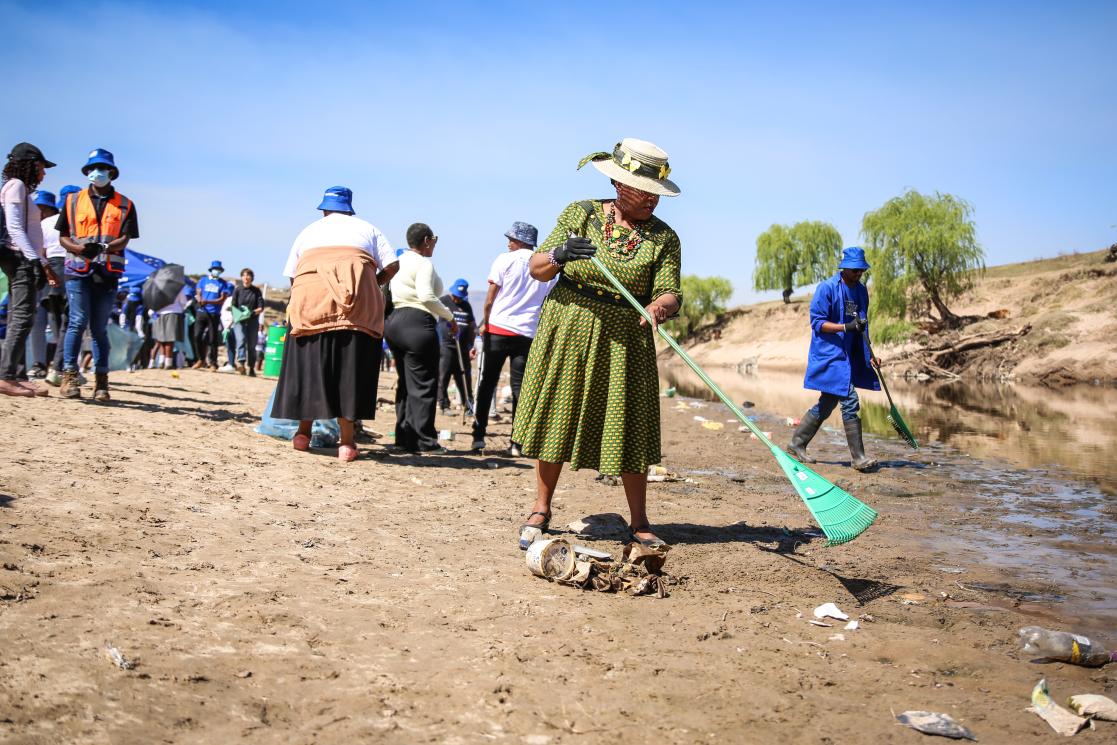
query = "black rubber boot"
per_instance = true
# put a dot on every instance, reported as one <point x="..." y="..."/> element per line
<point x="858" y="460"/>
<point x="808" y="428"/>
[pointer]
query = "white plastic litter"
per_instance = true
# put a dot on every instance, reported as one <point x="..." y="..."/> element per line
<point x="852" y="626"/>
<point x="829" y="610"/>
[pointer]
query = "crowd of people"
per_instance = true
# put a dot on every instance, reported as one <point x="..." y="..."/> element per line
<point x="584" y="382"/>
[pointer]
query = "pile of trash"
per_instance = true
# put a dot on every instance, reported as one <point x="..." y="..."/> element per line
<point x="638" y="572"/>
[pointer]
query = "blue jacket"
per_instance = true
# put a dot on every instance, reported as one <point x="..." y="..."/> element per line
<point x="836" y="360"/>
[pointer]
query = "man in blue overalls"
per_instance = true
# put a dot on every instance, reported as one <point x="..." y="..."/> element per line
<point x="839" y="360"/>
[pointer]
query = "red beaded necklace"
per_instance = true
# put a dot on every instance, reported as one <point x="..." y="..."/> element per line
<point x="620" y="245"/>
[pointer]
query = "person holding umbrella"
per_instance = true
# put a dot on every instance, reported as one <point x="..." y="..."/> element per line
<point x="95" y="226"/>
<point x="166" y="290"/>
<point x="839" y="359"/>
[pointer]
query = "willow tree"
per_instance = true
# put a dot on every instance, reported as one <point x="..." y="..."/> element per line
<point x="923" y="251"/>
<point x="790" y="257"/>
<point x="703" y="297"/>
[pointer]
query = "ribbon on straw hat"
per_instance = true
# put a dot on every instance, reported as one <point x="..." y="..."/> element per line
<point x="636" y="163"/>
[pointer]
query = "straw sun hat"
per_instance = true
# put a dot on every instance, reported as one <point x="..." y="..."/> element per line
<point x="636" y="163"/>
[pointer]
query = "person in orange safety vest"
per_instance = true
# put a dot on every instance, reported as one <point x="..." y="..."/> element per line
<point x="94" y="226"/>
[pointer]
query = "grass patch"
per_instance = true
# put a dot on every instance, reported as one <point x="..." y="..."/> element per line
<point x="891" y="330"/>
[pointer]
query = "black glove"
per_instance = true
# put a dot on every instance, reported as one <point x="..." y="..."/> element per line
<point x="576" y="248"/>
<point x="92" y="250"/>
<point x="858" y="324"/>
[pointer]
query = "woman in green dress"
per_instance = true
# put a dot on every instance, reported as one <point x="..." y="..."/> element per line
<point x="590" y="394"/>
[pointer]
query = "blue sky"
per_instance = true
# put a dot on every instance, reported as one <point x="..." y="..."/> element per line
<point x="229" y="119"/>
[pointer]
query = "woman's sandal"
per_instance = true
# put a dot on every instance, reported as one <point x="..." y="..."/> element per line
<point x="541" y="526"/>
<point x="300" y="442"/>
<point x="654" y="542"/>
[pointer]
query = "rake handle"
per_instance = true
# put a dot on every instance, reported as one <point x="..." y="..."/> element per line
<point x="725" y="399"/>
<point x="879" y="376"/>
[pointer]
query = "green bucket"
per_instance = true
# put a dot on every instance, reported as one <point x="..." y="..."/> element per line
<point x="273" y="352"/>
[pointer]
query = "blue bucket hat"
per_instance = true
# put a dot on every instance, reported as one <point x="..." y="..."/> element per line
<point x="337" y="199"/>
<point x="853" y="258"/>
<point x="460" y="289"/>
<point x="101" y="157"/>
<point x="524" y="233"/>
<point x="45" y="199"/>
<point x="65" y="192"/>
<point x="215" y="264"/>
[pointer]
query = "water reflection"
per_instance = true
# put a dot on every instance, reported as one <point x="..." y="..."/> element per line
<point x="1023" y="425"/>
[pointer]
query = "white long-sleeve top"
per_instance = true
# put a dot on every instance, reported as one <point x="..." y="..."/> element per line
<point x="25" y="230"/>
<point x="417" y="285"/>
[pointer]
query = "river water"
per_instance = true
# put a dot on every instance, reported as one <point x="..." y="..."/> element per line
<point x="1038" y="463"/>
<point x="1071" y="431"/>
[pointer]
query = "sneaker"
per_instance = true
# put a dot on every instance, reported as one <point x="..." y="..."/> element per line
<point x="226" y="368"/>
<point x="53" y="378"/>
<point x="515" y="451"/>
<point x="478" y="444"/>
<point x="38" y="372"/>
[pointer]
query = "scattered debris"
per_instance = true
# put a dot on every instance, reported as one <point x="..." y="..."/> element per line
<point x="951" y="570"/>
<point x="244" y="674"/>
<point x="852" y="626"/>
<point x="528" y="536"/>
<point x="1064" y="647"/>
<point x="838" y="638"/>
<point x="713" y="425"/>
<point x="700" y="418"/>
<point x="607" y="479"/>
<point x="639" y="572"/>
<point x="670" y="392"/>
<point x="1061" y="720"/>
<point x="117" y="657"/>
<point x="1091" y="705"/>
<point x="551" y="559"/>
<point x="821" y="623"/>
<point x="829" y="610"/>
<point x="445" y="434"/>
<point x="930" y="723"/>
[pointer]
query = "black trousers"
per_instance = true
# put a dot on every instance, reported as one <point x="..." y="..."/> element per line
<point x="57" y="315"/>
<point x="449" y="365"/>
<point x="207" y="336"/>
<point x="497" y="349"/>
<point x="24" y="279"/>
<point x="413" y="340"/>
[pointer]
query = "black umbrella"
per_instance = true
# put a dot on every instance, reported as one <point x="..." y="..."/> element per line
<point x="163" y="285"/>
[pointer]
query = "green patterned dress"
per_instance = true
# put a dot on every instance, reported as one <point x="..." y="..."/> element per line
<point x="590" y="395"/>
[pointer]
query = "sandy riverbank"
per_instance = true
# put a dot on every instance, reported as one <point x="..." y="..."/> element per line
<point x="1064" y="311"/>
<point x="272" y="596"/>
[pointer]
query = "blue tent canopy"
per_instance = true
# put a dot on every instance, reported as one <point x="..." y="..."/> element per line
<point x="137" y="267"/>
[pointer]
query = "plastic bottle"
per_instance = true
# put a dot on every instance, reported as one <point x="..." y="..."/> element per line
<point x="1064" y="647"/>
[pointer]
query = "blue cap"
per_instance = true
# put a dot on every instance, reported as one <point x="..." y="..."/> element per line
<point x="460" y="288"/>
<point x="100" y="157"/>
<point x="44" y="198"/>
<point x="399" y="252"/>
<point x="524" y="233"/>
<point x="853" y="258"/>
<point x="64" y="192"/>
<point x="337" y="199"/>
<point x="215" y="264"/>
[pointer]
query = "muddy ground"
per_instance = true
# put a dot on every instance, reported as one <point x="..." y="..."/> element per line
<point x="280" y="597"/>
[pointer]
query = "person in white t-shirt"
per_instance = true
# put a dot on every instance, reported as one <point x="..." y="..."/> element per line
<point x="330" y="363"/>
<point x="511" y="316"/>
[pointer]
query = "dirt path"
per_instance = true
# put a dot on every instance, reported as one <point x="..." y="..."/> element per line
<point x="279" y="597"/>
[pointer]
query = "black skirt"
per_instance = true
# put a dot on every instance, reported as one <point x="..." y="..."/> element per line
<point x="328" y="375"/>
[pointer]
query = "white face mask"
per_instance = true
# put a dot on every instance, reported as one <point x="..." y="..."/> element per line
<point x="215" y="273"/>
<point x="99" y="177"/>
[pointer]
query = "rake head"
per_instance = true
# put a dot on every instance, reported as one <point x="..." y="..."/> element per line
<point x="841" y="516"/>
<point x="902" y="428"/>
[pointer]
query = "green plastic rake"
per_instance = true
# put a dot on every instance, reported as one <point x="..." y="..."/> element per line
<point x="894" y="418"/>
<point x="841" y="516"/>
